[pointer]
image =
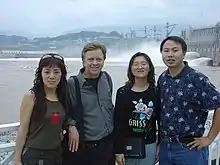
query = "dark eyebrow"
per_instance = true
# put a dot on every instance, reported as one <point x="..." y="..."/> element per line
<point x="172" y="48"/>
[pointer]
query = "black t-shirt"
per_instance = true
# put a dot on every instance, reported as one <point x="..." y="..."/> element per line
<point x="140" y="107"/>
<point x="133" y="111"/>
<point x="93" y="82"/>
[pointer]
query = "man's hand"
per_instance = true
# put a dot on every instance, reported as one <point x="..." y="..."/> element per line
<point x="120" y="159"/>
<point x="200" y="143"/>
<point x="73" y="139"/>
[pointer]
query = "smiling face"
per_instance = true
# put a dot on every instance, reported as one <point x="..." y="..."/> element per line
<point x="51" y="76"/>
<point x="172" y="54"/>
<point x="93" y="62"/>
<point x="140" y="67"/>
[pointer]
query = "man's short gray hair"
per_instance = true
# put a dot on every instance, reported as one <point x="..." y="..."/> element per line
<point x="93" y="46"/>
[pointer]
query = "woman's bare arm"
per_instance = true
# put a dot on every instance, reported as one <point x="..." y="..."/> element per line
<point x="26" y="109"/>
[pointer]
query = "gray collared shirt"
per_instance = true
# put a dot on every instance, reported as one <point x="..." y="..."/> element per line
<point x="97" y="106"/>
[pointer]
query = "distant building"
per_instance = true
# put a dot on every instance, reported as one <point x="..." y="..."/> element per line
<point x="205" y="41"/>
<point x="21" y="54"/>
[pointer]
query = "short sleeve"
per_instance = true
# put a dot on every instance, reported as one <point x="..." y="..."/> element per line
<point x="208" y="95"/>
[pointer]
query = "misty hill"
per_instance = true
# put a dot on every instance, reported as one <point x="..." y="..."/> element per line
<point x="83" y="35"/>
<point x="87" y="33"/>
<point x="13" y="39"/>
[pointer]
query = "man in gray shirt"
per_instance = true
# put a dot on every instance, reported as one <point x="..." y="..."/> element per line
<point x="93" y="144"/>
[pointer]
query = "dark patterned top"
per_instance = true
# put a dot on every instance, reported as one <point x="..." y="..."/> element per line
<point x="185" y="101"/>
<point x="134" y="116"/>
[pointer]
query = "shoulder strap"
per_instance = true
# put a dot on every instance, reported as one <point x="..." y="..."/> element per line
<point x="79" y="107"/>
<point x="109" y="80"/>
<point x="77" y="88"/>
<point x="31" y="135"/>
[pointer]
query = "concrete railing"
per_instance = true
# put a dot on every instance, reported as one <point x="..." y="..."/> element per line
<point x="6" y="147"/>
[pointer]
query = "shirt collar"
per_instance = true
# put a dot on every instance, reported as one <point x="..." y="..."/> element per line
<point x="82" y="78"/>
<point x="183" y="71"/>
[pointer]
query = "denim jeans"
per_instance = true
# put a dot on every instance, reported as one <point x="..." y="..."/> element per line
<point x="150" y="156"/>
<point x="177" y="153"/>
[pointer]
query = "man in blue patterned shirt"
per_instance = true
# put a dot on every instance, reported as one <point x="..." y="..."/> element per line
<point x="186" y="97"/>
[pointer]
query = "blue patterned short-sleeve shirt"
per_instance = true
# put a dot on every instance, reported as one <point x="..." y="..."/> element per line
<point x="185" y="101"/>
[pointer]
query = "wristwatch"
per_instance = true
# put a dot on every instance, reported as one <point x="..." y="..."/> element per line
<point x="72" y="123"/>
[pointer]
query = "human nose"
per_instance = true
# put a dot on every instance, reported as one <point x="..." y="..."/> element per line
<point x="51" y="75"/>
<point x="170" y="54"/>
<point x="140" y="66"/>
<point x="94" y="62"/>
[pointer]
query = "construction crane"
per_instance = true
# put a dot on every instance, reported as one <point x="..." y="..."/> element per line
<point x="145" y="31"/>
<point x="156" y="33"/>
<point x="146" y="34"/>
<point x="132" y="33"/>
<point x="168" y="30"/>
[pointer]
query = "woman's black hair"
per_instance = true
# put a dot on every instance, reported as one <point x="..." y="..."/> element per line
<point x="38" y="86"/>
<point x="151" y="74"/>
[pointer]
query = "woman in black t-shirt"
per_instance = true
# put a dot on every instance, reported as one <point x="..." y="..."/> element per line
<point x="135" y="117"/>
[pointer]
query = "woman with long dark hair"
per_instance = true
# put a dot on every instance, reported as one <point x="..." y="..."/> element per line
<point x="42" y="113"/>
<point x="135" y="119"/>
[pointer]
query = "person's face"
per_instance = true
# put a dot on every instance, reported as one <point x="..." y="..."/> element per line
<point x="140" y="67"/>
<point x="93" y="62"/>
<point x="51" y="76"/>
<point x="172" y="54"/>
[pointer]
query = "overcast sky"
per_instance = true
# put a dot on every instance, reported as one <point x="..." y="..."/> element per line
<point x="52" y="17"/>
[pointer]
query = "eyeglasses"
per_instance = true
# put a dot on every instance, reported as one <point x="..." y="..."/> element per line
<point x="51" y="55"/>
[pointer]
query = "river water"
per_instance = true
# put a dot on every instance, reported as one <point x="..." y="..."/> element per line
<point x="17" y="78"/>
